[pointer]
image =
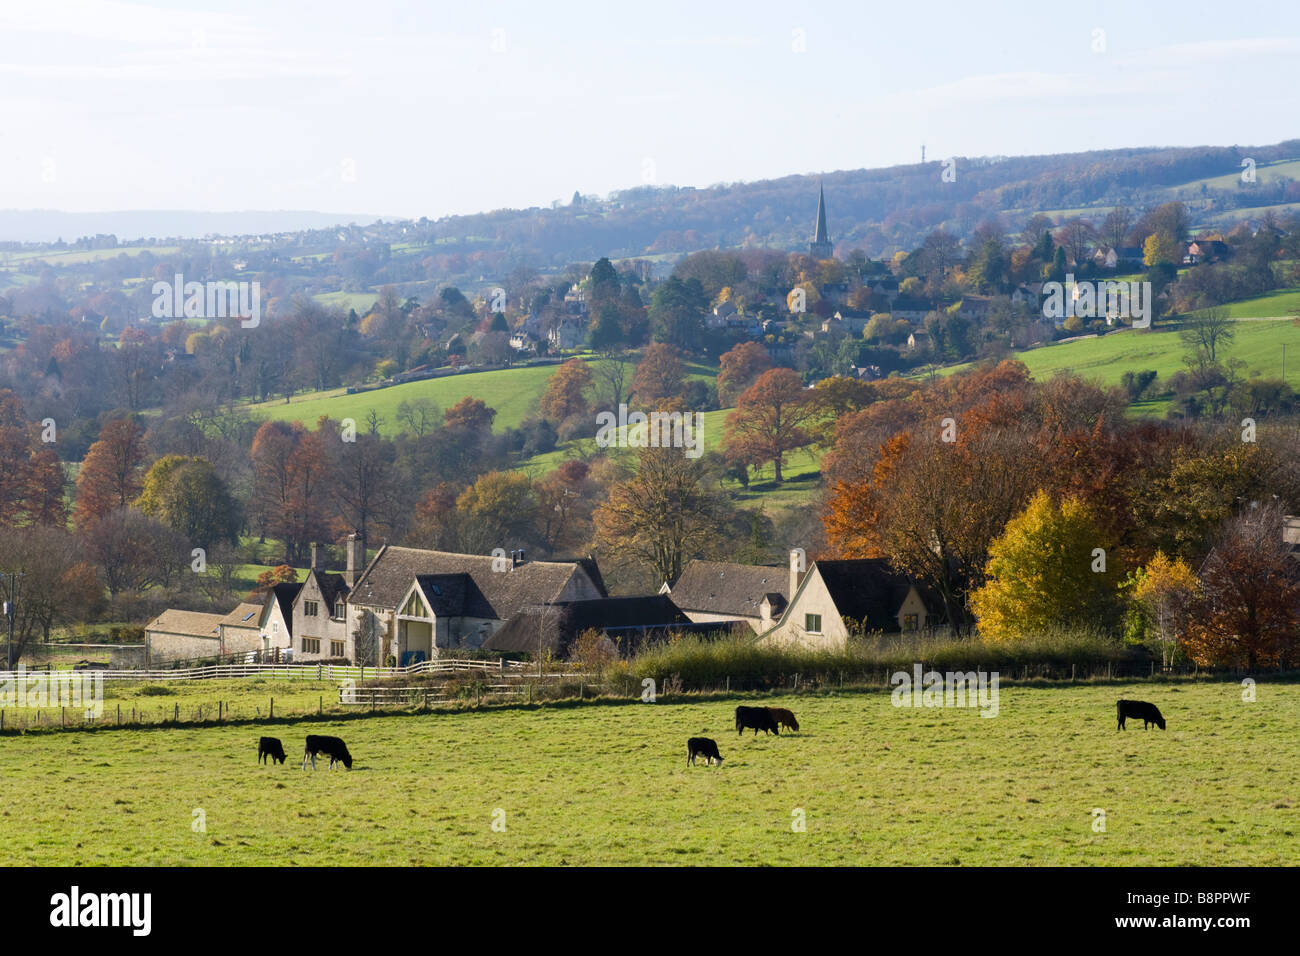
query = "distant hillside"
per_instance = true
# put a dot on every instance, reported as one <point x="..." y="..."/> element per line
<point x="876" y="210"/>
<point x="48" y="225"/>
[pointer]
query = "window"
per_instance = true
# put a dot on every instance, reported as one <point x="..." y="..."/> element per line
<point x="910" y="622"/>
<point x="311" y="645"/>
<point x="339" y="609"/>
<point x="812" y="623"/>
<point x="336" y="649"/>
<point x="311" y="608"/>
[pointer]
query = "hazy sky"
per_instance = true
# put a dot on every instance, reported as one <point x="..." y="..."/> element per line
<point x="410" y="109"/>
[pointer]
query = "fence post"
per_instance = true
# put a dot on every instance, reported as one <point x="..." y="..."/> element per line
<point x="273" y="708"/>
<point x="320" y="704"/>
<point x="176" y="715"/>
<point x="119" y="715"/>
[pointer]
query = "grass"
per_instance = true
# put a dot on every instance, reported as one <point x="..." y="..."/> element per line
<point x="606" y="784"/>
<point x="361" y="301"/>
<point x="513" y="392"/>
<point x="72" y="257"/>
<point x="1106" y="359"/>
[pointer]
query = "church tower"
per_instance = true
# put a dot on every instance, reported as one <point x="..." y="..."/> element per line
<point x="821" y="247"/>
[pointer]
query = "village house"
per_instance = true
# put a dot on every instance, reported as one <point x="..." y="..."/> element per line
<point x="837" y="598"/>
<point x="568" y="334"/>
<point x="190" y="635"/>
<point x="411" y="604"/>
<point x="911" y="308"/>
<point x="276" y="621"/>
<point x="320" y="609"/>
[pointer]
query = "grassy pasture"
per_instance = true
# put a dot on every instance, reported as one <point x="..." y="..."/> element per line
<point x="606" y="784"/>
<point x="513" y="392"/>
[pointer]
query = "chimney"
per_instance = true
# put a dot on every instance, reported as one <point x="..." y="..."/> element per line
<point x="798" y="565"/>
<point x="356" y="551"/>
<point x="313" y="555"/>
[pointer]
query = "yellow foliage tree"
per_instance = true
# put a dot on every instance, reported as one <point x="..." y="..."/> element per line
<point x="1044" y="571"/>
<point x="1163" y="590"/>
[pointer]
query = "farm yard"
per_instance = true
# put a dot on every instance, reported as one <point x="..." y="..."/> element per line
<point x="606" y="783"/>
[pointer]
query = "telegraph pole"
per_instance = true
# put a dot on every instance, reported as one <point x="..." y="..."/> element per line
<point x="11" y="611"/>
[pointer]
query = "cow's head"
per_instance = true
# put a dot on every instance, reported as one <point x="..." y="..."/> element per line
<point x="347" y="760"/>
<point x="1160" y="722"/>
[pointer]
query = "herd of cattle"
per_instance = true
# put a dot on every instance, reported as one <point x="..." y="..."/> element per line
<point x="770" y="720"/>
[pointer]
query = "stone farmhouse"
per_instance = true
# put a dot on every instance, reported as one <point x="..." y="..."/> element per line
<point x="836" y="598"/>
<point x="181" y="635"/>
<point x="411" y="604"/>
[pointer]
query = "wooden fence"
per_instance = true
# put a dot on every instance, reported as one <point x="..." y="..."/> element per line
<point x="329" y="672"/>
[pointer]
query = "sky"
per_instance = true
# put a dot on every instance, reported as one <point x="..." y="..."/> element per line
<point x="405" y="109"/>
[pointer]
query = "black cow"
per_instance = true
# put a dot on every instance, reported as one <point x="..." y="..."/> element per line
<point x="759" y="718"/>
<point x="270" y="747"/>
<point x="703" y="747"/>
<point x="1139" y="710"/>
<point x="331" y="747"/>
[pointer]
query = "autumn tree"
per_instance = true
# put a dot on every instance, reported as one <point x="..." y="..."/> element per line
<point x="58" y="584"/>
<point x="292" y="470"/>
<point x="134" y="551"/>
<point x="663" y="513"/>
<point x="1046" y="570"/>
<point x="268" y="579"/>
<point x="660" y="376"/>
<point x="1247" y="611"/>
<point x="565" y="394"/>
<point x="31" y="481"/>
<point x="471" y="416"/>
<point x="769" y="420"/>
<point x="498" y="511"/>
<point x="110" y="475"/>
<point x="1164" y="590"/>
<point x="187" y="494"/>
<point x="738" y="368"/>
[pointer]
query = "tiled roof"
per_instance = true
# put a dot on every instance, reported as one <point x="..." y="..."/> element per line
<point x="719" y="587"/>
<point x="191" y="623"/>
<point x="386" y="580"/>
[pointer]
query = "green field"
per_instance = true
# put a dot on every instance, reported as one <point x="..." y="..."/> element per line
<point x="77" y="257"/>
<point x="606" y="784"/>
<point x="1106" y="359"/>
<point x="361" y="301"/>
<point x="513" y="392"/>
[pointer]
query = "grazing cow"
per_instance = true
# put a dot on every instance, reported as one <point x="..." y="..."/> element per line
<point x="331" y="747"/>
<point x="759" y="718"/>
<point x="1139" y="710"/>
<point x="703" y="747"/>
<point x="270" y="747"/>
<point x="783" y="717"/>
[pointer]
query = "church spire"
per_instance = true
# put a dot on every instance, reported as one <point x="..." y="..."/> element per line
<point x="821" y="247"/>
